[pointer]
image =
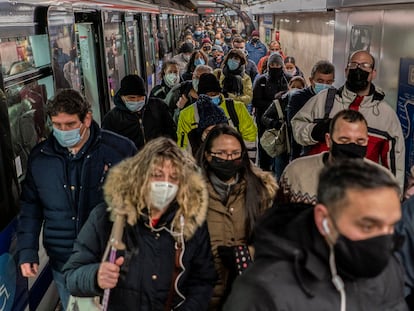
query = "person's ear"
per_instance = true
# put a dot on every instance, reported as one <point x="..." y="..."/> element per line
<point x="373" y="74"/>
<point x="328" y="140"/>
<point x="320" y="214"/>
<point x="88" y="119"/>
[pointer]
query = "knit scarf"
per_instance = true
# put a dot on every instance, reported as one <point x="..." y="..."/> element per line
<point x="233" y="82"/>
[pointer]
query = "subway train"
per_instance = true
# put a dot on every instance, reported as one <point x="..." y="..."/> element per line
<point x="49" y="45"/>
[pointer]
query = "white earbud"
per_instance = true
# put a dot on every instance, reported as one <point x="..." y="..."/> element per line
<point x="325" y="226"/>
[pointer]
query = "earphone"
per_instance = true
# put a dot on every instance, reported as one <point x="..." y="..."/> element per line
<point x="325" y="226"/>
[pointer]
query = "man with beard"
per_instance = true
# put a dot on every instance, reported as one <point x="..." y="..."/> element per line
<point x="386" y="140"/>
<point x="337" y="255"/>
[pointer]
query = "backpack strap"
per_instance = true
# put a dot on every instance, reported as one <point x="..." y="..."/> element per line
<point x="196" y="115"/>
<point x="330" y="99"/>
<point x="232" y="113"/>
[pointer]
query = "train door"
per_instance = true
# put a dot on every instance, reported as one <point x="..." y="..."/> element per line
<point x="91" y="84"/>
<point x="133" y="51"/>
<point x="116" y="60"/>
<point x="149" y="50"/>
<point x="92" y="62"/>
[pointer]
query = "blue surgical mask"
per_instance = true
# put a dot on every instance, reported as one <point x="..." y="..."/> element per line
<point x="199" y="61"/>
<point x="197" y="32"/>
<point x="233" y="64"/>
<point x="216" y="100"/>
<point x="67" y="138"/>
<point x="135" y="105"/>
<point x="320" y="87"/>
<point x="217" y="42"/>
<point x="171" y="79"/>
<point x="195" y="84"/>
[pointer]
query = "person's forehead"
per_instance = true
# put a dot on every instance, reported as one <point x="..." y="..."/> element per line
<point x="361" y="57"/>
<point x="344" y="127"/>
<point x="274" y="45"/>
<point x="381" y="203"/>
<point x="323" y="76"/>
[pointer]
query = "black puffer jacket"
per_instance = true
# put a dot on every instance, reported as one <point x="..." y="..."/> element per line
<point x="155" y="118"/>
<point x="291" y="272"/>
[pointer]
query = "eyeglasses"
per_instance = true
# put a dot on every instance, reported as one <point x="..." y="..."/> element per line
<point x="364" y="66"/>
<point x="225" y="156"/>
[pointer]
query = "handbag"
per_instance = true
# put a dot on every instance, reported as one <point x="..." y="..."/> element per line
<point x="275" y="141"/>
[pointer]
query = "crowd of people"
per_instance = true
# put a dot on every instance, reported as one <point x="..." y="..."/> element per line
<point x="211" y="221"/>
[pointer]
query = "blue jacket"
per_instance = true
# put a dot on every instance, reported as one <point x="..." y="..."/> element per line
<point x="256" y="51"/>
<point x="47" y="197"/>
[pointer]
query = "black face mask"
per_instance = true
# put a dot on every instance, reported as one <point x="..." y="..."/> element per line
<point x="363" y="258"/>
<point x="255" y="40"/>
<point x="357" y="80"/>
<point x="224" y="169"/>
<point x="347" y="151"/>
<point x="275" y="73"/>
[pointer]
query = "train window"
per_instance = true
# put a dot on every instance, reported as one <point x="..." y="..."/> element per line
<point x="28" y="121"/>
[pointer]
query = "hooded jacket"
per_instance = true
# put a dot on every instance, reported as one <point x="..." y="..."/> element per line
<point x="146" y="274"/>
<point x="152" y="121"/>
<point x="48" y="198"/>
<point x="226" y="223"/>
<point x="386" y="140"/>
<point x="291" y="271"/>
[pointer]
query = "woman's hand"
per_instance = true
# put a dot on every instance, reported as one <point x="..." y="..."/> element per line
<point x="182" y="101"/>
<point x="108" y="273"/>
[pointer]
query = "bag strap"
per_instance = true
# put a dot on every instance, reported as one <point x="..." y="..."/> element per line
<point x="175" y="273"/>
<point x="279" y="110"/>
<point x="196" y="115"/>
<point x="330" y="99"/>
<point x="232" y="113"/>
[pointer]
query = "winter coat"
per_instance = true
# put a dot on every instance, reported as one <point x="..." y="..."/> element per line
<point x="174" y="95"/>
<point x="47" y="196"/>
<point x="264" y="92"/>
<point x="226" y="224"/>
<point x="246" y="96"/>
<point x="291" y="272"/>
<point x="146" y="274"/>
<point x="386" y="140"/>
<point x="256" y="51"/>
<point x="154" y="120"/>
<point x="160" y="91"/>
<point x="187" y="122"/>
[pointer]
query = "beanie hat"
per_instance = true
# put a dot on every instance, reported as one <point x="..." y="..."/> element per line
<point x="187" y="47"/>
<point x="132" y="85"/>
<point x="275" y="59"/>
<point x="217" y="48"/>
<point x="208" y="83"/>
<point x="255" y="33"/>
<point x="205" y="40"/>
<point x="209" y="113"/>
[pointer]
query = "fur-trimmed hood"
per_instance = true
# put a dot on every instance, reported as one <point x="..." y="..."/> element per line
<point x="122" y="196"/>
<point x="270" y="184"/>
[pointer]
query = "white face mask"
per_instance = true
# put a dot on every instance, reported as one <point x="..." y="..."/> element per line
<point x="171" y="79"/>
<point x="162" y="194"/>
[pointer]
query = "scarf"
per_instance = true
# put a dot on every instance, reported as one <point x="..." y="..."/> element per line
<point x="233" y="82"/>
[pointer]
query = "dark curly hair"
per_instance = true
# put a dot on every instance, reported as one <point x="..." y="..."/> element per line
<point x="68" y="101"/>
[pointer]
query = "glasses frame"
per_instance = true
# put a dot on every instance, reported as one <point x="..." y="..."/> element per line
<point x="368" y="67"/>
<point x="232" y="156"/>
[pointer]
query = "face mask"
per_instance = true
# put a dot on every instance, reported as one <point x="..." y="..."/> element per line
<point x="197" y="32"/>
<point x="217" y="42"/>
<point x="347" y="151"/>
<point x="135" y="105"/>
<point x="255" y="40"/>
<point x="291" y="72"/>
<point x="171" y="79"/>
<point x="162" y="194"/>
<point x="218" y="59"/>
<point x="216" y="100"/>
<point x="67" y="138"/>
<point x="320" y="87"/>
<point x="275" y="73"/>
<point x="206" y="48"/>
<point x="227" y="39"/>
<point x="199" y="61"/>
<point x="224" y="169"/>
<point x="233" y="64"/>
<point x="186" y="57"/>
<point x="357" y="80"/>
<point x="195" y="84"/>
<point x="363" y="258"/>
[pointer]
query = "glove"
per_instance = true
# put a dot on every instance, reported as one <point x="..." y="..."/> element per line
<point x="320" y="129"/>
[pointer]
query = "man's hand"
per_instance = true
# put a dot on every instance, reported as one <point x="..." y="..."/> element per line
<point x="108" y="273"/>
<point x="29" y="269"/>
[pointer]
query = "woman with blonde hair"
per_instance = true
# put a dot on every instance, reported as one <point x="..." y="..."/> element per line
<point x="167" y="263"/>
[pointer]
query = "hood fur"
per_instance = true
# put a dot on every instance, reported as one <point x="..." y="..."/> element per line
<point x="270" y="184"/>
<point x="123" y="198"/>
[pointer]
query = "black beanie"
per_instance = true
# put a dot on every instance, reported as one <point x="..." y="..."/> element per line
<point x="208" y="83"/>
<point x="132" y="85"/>
<point x="209" y="113"/>
<point x="187" y="47"/>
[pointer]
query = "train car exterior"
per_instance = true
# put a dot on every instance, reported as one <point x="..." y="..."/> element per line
<point x="48" y="45"/>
